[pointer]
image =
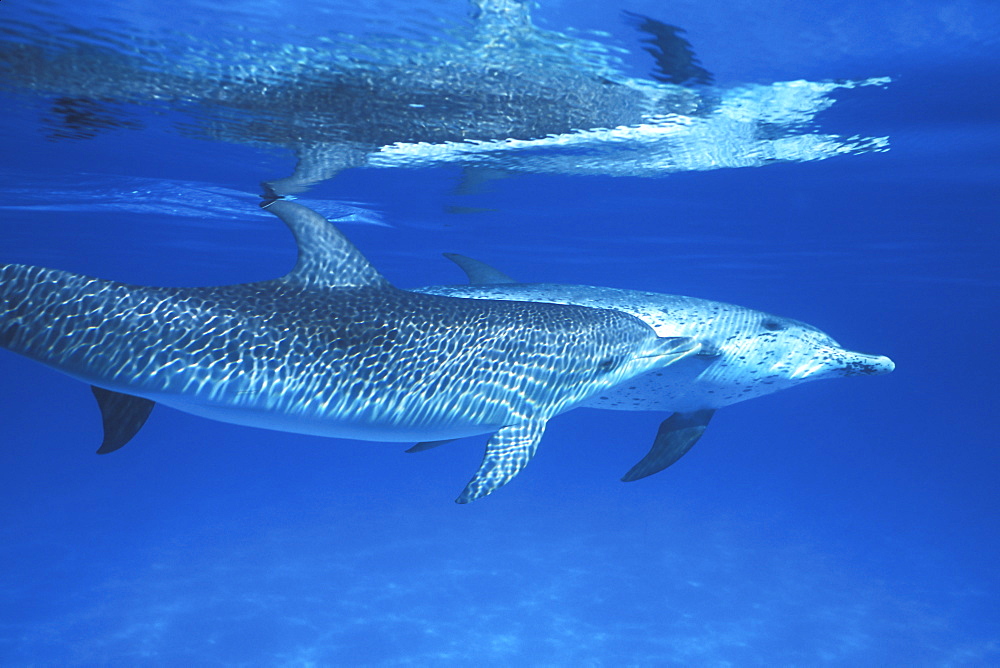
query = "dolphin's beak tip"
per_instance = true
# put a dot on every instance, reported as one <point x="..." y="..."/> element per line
<point x="871" y="365"/>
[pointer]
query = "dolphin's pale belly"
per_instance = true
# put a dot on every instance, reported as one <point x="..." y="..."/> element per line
<point x="374" y="420"/>
<point x="361" y="427"/>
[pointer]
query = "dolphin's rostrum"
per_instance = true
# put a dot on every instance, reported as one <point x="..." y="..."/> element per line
<point x="331" y="349"/>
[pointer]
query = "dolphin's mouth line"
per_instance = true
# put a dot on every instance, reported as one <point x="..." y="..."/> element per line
<point x="682" y="349"/>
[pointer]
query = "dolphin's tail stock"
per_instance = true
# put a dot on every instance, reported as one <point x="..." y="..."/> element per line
<point x="56" y="317"/>
<point x="27" y="297"/>
<point x="12" y="303"/>
<point x="43" y="318"/>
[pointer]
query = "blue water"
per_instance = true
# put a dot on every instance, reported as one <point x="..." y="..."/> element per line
<point x="850" y="522"/>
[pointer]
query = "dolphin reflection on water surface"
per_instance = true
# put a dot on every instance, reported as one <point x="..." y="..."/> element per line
<point x="497" y="95"/>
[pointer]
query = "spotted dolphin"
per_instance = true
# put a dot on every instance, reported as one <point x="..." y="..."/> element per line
<point x="745" y="354"/>
<point x="331" y="349"/>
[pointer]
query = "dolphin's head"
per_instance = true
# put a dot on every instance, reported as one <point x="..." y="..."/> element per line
<point x="757" y="354"/>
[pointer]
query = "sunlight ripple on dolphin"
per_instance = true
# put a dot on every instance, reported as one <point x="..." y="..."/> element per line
<point x="329" y="349"/>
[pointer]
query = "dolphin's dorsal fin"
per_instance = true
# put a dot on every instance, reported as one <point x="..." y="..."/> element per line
<point x="677" y="434"/>
<point x="479" y="273"/>
<point x="676" y="62"/>
<point x="318" y="162"/>
<point x="501" y="22"/>
<point x="122" y="415"/>
<point x="326" y="258"/>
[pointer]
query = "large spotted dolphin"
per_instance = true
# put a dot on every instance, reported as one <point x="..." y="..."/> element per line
<point x="745" y="354"/>
<point x="332" y="349"/>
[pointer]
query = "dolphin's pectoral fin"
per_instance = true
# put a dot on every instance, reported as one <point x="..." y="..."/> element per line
<point x="677" y="434"/>
<point x="123" y="416"/>
<point x="427" y="445"/>
<point x="507" y="452"/>
<point x="479" y="273"/>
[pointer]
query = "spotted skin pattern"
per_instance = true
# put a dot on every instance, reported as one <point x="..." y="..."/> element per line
<point x="333" y="349"/>
<point x="744" y="353"/>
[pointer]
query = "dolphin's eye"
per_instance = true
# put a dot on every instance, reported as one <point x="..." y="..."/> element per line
<point x="608" y="364"/>
<point x="772" y="325"/>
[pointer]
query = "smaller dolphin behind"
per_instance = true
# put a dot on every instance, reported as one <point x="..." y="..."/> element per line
<point x="744" y="354"/>
<point x="329" y="349"/>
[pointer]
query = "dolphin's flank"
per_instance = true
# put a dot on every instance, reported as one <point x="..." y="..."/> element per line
<point x="331" y="349"/>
